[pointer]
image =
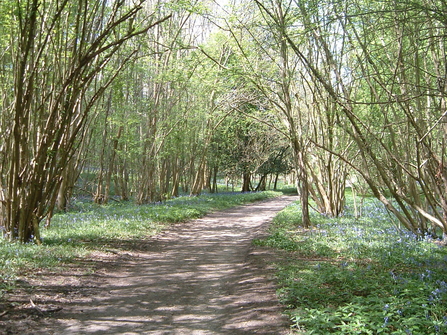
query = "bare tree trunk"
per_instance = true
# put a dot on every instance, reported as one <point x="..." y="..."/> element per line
<point x="111" y="166"/>
<point x="246" y="182"/>
<point x="262" y="185"/>
<point x="175" y="178"/>
<point x="214" y="188"/>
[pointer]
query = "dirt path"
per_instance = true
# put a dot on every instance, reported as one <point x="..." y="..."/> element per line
<point x="202" y="277"/>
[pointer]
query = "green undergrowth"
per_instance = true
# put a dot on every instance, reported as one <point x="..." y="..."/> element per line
<point x="363" y="275"/>
<point x="88" y="227"/>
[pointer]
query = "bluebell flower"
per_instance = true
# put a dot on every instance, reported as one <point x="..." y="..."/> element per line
<point x="393" y="275"/>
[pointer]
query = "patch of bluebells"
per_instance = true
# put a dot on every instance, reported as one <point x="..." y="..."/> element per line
<point x="439" y="294"/>
<point x="415" y="289"/>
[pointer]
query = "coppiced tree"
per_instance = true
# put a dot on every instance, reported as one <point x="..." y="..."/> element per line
<point x="58" y="58"/>
<point x="407" y="96"/>
<point x="386" y="74"/>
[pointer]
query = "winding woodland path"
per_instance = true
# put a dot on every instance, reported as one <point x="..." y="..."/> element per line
<point x="202" y="277"/>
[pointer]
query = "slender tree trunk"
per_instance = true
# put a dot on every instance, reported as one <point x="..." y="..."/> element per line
<point x="214" y="185"/>
<point x="275" y="184"/>
<point x="262" y="185"/>
<point x="303" y="187"/>
<point x="110" y="169"/>
<point x="175" y="178"/>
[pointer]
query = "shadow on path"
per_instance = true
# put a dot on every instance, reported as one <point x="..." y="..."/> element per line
<point x="202" y="277"/>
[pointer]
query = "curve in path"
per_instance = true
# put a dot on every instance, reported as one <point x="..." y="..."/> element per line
<point x="196" y="278"/>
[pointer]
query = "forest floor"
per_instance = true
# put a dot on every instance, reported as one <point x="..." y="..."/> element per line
<point x="199" y="277"/>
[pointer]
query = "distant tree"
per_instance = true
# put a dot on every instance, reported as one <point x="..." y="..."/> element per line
<point x="278" y="163"/>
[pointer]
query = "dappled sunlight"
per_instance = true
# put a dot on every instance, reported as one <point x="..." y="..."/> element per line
<point x="195" y="279"/>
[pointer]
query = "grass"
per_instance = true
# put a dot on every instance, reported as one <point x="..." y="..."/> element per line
<point x="89" y="227"/>
<point x="359" y="275"/>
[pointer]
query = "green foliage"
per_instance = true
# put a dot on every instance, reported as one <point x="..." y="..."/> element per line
<point x="359" y="276"/>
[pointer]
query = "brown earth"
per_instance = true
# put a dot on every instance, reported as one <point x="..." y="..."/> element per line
<point x="200" y="277"/>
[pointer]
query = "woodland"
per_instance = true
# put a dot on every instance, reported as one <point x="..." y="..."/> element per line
<point x="146" y="100"/>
